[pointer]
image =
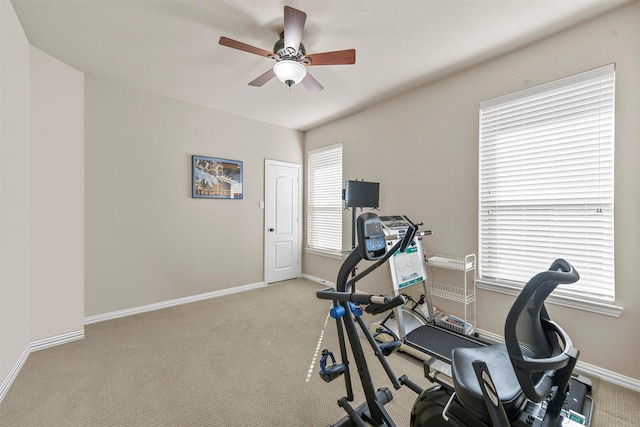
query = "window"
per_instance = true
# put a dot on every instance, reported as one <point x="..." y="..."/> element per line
<point x="546" y="184"/>
<point x="324" y="199"/>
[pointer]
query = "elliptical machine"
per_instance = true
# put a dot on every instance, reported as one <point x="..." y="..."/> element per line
<point x="347" y="312"/>
<point x="527" y="381"/>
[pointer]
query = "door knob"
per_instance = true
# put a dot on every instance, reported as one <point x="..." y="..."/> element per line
<point x="272" y="229"/>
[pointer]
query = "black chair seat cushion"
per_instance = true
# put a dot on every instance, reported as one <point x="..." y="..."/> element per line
<point x="468" y="389"/>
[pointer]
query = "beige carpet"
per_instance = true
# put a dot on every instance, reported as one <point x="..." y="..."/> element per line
<point x="616" y="406"/>
<point x="239" y="360"/>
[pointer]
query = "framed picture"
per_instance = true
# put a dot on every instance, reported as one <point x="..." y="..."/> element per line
<point x="215" y="178"/>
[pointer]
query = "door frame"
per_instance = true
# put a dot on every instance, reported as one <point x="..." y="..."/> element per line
<point x="298" y="166"/>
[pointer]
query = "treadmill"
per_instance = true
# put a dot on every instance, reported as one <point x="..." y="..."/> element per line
<point x="420" y="336"/>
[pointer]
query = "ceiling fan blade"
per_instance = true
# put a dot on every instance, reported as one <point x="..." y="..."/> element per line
<point x="225" y="41"/>
<point x="311" y="84"/>
<point x="294" y="20"/>
<point x="339" y="57"/>
<point x="262" y="79"/>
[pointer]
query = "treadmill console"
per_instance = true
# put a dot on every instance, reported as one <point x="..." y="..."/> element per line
<point x="395" y="226"/>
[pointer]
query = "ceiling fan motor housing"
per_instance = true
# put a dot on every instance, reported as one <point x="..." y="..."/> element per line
<point x="284" y="53"/>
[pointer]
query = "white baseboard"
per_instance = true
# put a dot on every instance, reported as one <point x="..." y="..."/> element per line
<point x="490" y="337"/>
<point x="157" y="306"/>
<point x="608" y="376"/>
<point x="35" y="346"/>
<point x="319" y="280"/>
<point x="6" y="384"/>
<point x="584" y="368"/>
<point x="57" y="340"/>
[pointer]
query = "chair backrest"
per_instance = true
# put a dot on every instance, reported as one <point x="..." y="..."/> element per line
<point x="537" y="346"/>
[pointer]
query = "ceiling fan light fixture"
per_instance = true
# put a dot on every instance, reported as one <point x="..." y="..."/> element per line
<point x="289" y="72"/>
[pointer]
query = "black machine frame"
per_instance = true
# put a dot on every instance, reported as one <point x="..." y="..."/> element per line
<point x="438" y="405"/>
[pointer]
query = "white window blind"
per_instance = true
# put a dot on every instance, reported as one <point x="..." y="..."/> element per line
<point x="324" y="199"/>
<point x="546" y="183"/>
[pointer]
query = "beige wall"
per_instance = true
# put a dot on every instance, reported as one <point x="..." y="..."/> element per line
<point x="41" y="198"/>
<point x="57" y="197"/>
<point x="15" y="260"/>
<point x="423" y="148"/>
<point x="147" y="240"/>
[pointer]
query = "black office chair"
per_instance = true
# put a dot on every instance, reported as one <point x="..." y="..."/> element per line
<point x="536" y="356"/>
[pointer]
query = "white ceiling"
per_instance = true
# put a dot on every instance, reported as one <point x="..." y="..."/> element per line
<point x="171" y="47"/>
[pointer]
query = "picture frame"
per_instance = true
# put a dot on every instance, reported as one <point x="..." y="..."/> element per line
<point x="216" y="178"/>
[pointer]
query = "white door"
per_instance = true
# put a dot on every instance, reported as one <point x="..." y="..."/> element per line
<point x="282" y="221"/>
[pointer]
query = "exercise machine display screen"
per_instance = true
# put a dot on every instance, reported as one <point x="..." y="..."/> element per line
<point x="371" y="236"/>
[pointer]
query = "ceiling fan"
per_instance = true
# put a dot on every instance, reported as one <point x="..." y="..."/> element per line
<point x="290" y="55"/>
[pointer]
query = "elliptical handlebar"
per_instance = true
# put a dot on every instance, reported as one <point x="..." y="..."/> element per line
<point x="381" y="308"/>
<point x="355" y="297"/>
<point x="376" y="303"/>
<point x="409" y="235"/>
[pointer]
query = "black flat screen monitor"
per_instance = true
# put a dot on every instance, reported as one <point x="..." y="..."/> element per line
<point x="362" y="194"/>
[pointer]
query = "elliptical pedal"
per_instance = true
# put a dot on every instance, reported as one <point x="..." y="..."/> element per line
<point x="335" y="370"/>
